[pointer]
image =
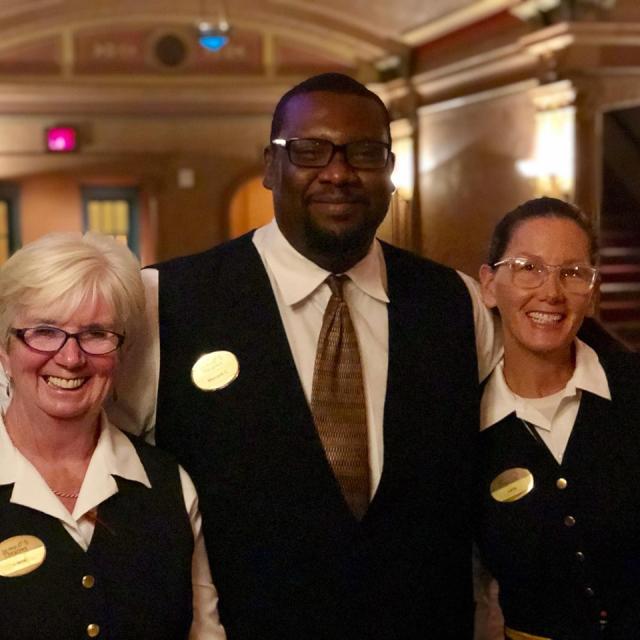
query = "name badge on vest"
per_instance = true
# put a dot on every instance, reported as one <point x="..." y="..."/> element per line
<point x="511" y="485"/>
<point x="215" y="370"/>
<point x="20" y="555"/>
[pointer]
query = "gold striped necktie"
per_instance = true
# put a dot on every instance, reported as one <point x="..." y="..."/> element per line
<point x="338" y="402"/>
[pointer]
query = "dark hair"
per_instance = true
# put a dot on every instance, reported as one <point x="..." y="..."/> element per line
<point x="539" y="208"/>
<point x="332" y="83"/>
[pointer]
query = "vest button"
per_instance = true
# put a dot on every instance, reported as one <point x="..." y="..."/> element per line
<point x="93" y="630"/>
<point x="561" y="483"/>
<point x="579" y="556"/>
<point x="569" y="521"/>
<point x="88" y="581"/>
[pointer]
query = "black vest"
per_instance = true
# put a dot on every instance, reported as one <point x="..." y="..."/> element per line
<point x="287" y="557"/>
<point x="140" y="557"/>
<point x="564" y="556"/>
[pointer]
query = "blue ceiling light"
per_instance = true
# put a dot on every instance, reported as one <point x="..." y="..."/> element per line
<point x="213" y="37"/>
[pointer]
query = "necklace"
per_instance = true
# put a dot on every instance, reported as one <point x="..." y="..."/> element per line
<point x="69" y="496"/>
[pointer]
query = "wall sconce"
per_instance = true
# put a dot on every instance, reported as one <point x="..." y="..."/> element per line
<point x="402" y="176"/>
<point x="401" y="228"/>
<point x="553" y="161"/>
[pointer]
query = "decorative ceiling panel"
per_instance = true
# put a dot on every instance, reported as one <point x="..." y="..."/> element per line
<point x="378" y="23"/>
<point x="384" y="18"/>
<point x="143" y="56"/>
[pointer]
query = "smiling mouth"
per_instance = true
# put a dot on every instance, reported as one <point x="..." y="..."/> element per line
<point x="338" y="211"/>
<point x="542" y="318"/>
<point x="336" y="197"/>
<point x="335" y="204"/>
<point x="65" y="383"/>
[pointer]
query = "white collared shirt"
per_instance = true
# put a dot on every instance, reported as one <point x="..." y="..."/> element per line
<point x="302" y="295"/>
<point x="114" y="455"/>
<point x="552" y="416"/>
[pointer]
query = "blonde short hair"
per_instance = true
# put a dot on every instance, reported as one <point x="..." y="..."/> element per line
<point x="61" y="271"/>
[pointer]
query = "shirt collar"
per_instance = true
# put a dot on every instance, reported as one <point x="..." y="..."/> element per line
<point x="298" y="277"/>
<point x="589" y="374"/>
<point x="118" y="454"/>
<point x="114" y="455"/>
<point x="498" y="401"/>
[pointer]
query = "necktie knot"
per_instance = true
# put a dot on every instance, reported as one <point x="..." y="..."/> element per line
<point x="335" y="284"/>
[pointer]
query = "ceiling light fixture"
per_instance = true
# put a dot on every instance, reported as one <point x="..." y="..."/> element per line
<point x="213" y="35"/>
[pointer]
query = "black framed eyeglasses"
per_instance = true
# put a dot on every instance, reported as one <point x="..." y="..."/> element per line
<point x="530" y="273"/>
<point x="318" y="152"/>
<point x="45" y="339"/>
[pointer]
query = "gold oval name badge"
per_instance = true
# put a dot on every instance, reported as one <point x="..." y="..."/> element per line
<point x="511" y="485"/>
<point x="20" y="555"/>
<point x="215" y="370"/>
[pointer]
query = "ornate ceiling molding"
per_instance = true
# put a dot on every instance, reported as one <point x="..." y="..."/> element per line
<point x="231" y="98"/>
<point x="458" y="19"/>
<point x="542" y="55"/>
<point x="347" y="41"/>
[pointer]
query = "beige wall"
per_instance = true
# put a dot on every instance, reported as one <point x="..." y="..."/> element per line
<point x="468" y="177"/>
<point x="250" y="207"/>
<point x="52" y="203"/>
<point x="144" y="152"/>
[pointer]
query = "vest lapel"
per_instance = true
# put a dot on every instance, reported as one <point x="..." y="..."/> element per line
<point x="401" y="432"/>
<point x="590" y="433"/>
<point x="296" y="454"/>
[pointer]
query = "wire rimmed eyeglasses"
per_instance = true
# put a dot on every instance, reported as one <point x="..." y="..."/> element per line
<point x="530" y="273"/>
<point x="318" y="152"/>
<point x="46" y="339"/>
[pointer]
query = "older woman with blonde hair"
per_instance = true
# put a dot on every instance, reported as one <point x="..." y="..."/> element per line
<point x="100" y="535"/>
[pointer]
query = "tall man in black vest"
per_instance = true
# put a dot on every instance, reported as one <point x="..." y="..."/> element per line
<point x="291" y="556"/>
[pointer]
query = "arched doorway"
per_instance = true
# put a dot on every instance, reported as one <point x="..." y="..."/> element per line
<point x="251" y="206"/>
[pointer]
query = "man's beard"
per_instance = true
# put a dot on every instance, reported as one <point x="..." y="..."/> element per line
<point x="328" y="243"/>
